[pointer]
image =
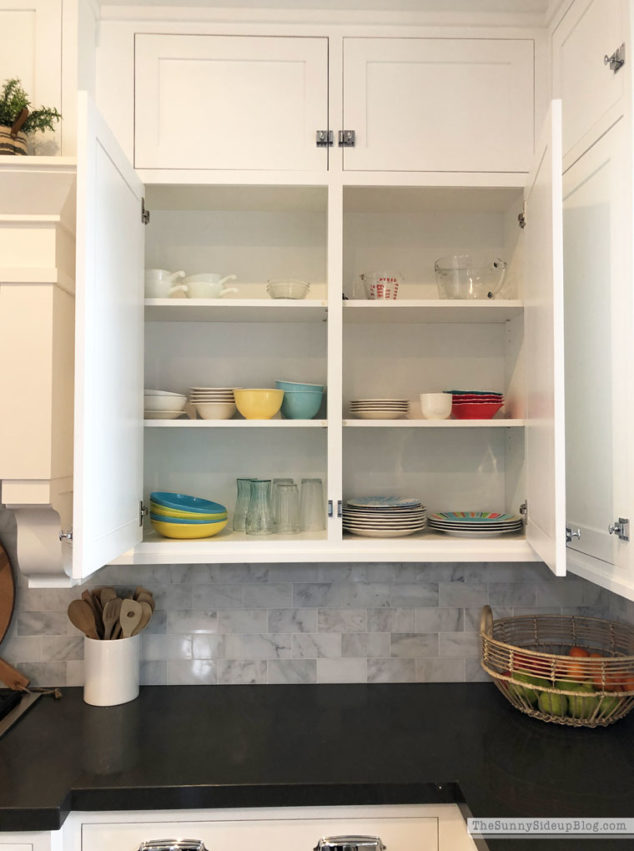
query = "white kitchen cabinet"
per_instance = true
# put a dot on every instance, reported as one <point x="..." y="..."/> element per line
<point x="438" y="104"/>
<point x="409" y="827"/>
<point x="591" y="91"/>
<point x="230" y="102"/>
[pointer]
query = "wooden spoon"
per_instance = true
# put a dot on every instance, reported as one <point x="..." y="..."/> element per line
<point x="96" y="610"/>
<point x="111" y="612"/>
<point x="146" y="598"/>
<point x="145" y="617"/>
<point x="81" y="616"/>
<point x="107" y="594"/>
<point x="130" y="617"/>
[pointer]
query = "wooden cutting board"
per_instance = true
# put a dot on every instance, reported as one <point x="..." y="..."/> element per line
<point x="8" y="675"/>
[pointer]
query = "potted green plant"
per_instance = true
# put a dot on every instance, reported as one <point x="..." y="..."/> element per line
<point x="16" y="120"/>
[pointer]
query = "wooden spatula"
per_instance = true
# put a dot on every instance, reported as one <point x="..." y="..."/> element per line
<point x="130" y="617"/>
<point x="111" y="612"/>
<point x="81" y="616"/>
<point x="145" y="617"/>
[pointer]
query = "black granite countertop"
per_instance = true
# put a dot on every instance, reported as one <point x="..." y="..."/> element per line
<point x="180" y="747"/>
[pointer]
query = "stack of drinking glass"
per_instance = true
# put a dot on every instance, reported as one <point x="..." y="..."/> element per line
<point x="279" y="506"/>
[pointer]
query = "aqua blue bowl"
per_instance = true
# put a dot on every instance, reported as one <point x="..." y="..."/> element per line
<point x="301" y="404"/>
<point x="160" y="518"/>
<point x="296" y="385"/>
<point x="187" y="503"/>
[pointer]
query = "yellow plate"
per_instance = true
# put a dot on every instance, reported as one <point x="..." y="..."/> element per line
<point x="184" y="515"/>
<point x="185" y="531"/>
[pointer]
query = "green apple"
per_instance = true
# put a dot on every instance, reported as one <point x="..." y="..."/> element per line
<point x="553" y="704"/>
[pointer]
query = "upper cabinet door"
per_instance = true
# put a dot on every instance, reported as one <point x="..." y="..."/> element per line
<point x="590" y="89"/>
<point x="439" y="104"/>
<point x="544" y="345"/>
<point x="108" y="474"/>
<point x="230" y="102"/>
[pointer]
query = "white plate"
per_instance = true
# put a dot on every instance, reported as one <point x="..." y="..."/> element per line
<point x="162" y="415"/>
<point x="161" y="393"/>
<point x="384" y="533"/>
<point x="380" y="415"/>
<point x="384" y="502"/>
<point x="456" y="534"/>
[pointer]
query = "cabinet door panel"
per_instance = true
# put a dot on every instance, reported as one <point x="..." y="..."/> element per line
<point x="598" y="345"/>
<point x="586" y="85"/>
<point x="109" y="349"/>
<point x="543" y="311"/>
<point x="230" y="102"/>
<point x="426" y="104"/>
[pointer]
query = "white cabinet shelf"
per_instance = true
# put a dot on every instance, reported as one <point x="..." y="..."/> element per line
<point x="416" y="311"/>
<point x="248" y="424"/>
<point x="234" y="310"/>
<point x="439" y="424"/>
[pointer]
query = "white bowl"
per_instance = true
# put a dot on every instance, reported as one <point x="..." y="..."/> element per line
<point x="162" y="415"/>
<point x="173" y="402"/>
<point x="435" y="406"/>
<point x="288" y="289"/>
<point x="215" y="410"/>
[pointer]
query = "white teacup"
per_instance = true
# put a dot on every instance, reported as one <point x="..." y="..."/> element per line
<point x="160" y="283"/>
<point x="208" y="285"/>
<point x="436" y="406"/>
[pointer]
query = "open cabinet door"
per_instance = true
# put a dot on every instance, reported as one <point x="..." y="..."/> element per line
<point x="108" y="461"/>
<point x="544" y="345"/>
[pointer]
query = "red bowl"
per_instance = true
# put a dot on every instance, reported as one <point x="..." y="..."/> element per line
<point x="476" y="410"/>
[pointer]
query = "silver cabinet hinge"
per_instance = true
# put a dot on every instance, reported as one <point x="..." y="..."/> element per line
<point x="145" y="214"/>
<point x="572" y="533"/>
<point x="339" y="508"/>
<point x="66" y="536"/>
<point x="523" y="510"/>
<point x="617" y="60"/>
<point x="521" y="218"/>
<point x="323" y="138"/>
<point x="142" y="511"/>
<point x="620" y="528"/>
<point x="330" y="508"/>
<point x="347" y="138"/>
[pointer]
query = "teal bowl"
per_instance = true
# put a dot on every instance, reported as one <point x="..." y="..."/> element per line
<point x="301" y="404"/>
<point x="296" y="385"/>
<point x="183" y="502"/>
<point x="182" y="521"/>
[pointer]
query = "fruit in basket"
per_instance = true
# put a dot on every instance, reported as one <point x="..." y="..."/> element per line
<point x="530" y="665"/>
<point x="608" y="705"/>
<point x="583" y="704"/>
<point x="553" y="704"/>
<point x="574" y="670"/>
<point x="628" y="683"/>
<point x="524" y="693"/>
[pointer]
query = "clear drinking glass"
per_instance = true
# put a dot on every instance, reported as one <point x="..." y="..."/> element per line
<point x="287" y="509"/>
<point x="242" y="504"/>
<point x="312" y="509"/>
<point x="275" y="498"/>
<point x="259" y="515"/>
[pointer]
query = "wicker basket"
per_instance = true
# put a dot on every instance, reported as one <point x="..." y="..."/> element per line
<point x="12" y="144"/>
<point x="528" y="658"/>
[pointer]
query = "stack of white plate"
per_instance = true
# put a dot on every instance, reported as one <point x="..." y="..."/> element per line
<point x="379" y="409"/>
<point x="475" y="524"/>
<point x="384" y="516"/>
<point x="213" y="403"/>
<point x="163" y="404"/>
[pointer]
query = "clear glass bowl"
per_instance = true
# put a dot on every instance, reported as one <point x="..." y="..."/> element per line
<point x="287" y="289"/>
<point x="469" y="276"/>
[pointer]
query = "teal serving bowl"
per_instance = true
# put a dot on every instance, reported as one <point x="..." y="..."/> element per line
<point x="301" y="404"/>
<point x="297" y="385"/>
<point x="183" y="502"/>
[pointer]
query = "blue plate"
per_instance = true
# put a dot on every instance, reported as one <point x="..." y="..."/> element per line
<point x="188" y="503"/>
<point x="384" y="502"/>
<point x="161" y="518"/>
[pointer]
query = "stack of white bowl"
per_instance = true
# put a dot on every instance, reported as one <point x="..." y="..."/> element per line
<point x="163" y="405"/>
<point x="379" y="409"/>
<point x="213" y="403"/>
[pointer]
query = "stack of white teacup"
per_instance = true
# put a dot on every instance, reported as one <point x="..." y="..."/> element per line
<point x="161" y="283"/>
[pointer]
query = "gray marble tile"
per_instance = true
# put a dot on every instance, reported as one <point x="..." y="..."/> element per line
<point x="411" y="645"/>
<point x="272" y="595"/>
<point x="157" y="624"/>
<point x="342" y="595"/>
<point x="238" y="573"/>
<point x="195" y="672"/>
<point x="215" y="597"/>
<point x="47" y="599"/>
<point x="291" y="671"/>
<point x="341" y="620"/>
<point x="511" y="594"/>
<point x="391" y="620"/>
<point x="366" y="644"/>
<point x="391" y="671"/>
<point x="188" y="622"/>
<point x="62" y="649"/>
<point x="154" y="648"/>
<point x="189" y="574"/>
<point x="292" y="620"/>
<point x="241" y="672"/>
<point x="343" y="573"/>
<point x="341" y="670"/>
<point x="440" y="670"/>
<point x="293" y="572"/>
<point x="460" y="594"/>
<point x="258" y="647"/>
<point x="472" y="616"/>
<point x="178" y="647"/>
<point x="315" y="645"/>
<point x="384" y="572"/>
<point x="413" y="595"/>
<point x="438" y="620"/>
<point x="75" y="672"/>
<point x="43" y="623"/>
<point x="25" y="649"/>
<point x="459" y="644"/>
<point x="474" y="672"/>
<point x="243" y="621"/>
<point x="173" y="597"/>
<point x="208" y="646"/>
<point x="45" y="674"/>
<point x="153" y="673"/>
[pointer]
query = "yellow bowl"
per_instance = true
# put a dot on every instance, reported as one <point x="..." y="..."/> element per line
<point x="184" y="515"/>
<point x="258" y="404"/>
<point x="184" y="531"/>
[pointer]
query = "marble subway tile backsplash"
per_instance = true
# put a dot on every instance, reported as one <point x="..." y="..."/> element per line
<point x="303" y="623"/>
